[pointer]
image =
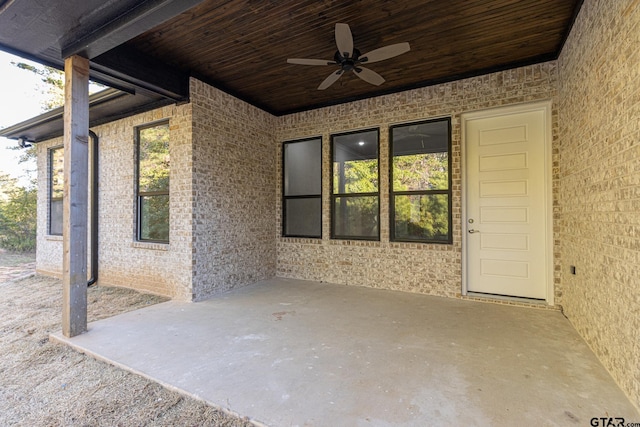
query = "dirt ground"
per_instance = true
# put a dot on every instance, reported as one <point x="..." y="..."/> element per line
<point x="16" y="265"/>
<point x="47" y="384"/>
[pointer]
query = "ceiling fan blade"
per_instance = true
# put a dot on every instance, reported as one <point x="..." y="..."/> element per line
<point x="333" y="77"/>
<point x="385" y="52"/>
<point x="344" y="40"/>
<point x="369" y="76"/>
<point x="303" y="61"/>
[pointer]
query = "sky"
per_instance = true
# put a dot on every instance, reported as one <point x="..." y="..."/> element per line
<point x="22" y="96"/>
<point x="20" y="99"/>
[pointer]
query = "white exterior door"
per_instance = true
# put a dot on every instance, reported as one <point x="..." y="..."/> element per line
<point x="507" y="216"/>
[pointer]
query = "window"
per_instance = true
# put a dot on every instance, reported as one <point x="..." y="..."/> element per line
<point x="302" y="188"/>
<point x="355" y="186"/>
<point x="421" y="182"/>
<point x="153" y="183"/>
<point x="56" y="190"/>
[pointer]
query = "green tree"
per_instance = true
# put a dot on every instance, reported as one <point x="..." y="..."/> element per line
<point x="356" y="215"/>
<point x="18" y="203"/>
<point x="53" y="83"/>
<point x="28" y="158"/>
<point x="17" y="215"/>
<point x="153" y="185"/>
<point x="421" y="216"/>
<point x="426" y="171"/>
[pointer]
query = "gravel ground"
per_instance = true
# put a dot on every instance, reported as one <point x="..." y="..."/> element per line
<point x="47" y="384"/>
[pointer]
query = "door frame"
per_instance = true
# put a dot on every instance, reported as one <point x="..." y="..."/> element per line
<point x="546" y="107"/>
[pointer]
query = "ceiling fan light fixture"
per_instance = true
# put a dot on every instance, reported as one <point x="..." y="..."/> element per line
<point x="348" y="58"/>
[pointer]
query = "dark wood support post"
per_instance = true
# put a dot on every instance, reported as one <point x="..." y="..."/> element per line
<point x="75" y="206"/>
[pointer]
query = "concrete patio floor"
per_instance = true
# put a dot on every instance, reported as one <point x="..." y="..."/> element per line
<point x="297" y="353"/>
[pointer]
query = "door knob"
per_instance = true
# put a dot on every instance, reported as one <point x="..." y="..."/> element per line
<point x="473" y="231"/>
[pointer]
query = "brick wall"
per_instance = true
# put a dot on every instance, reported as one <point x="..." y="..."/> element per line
<point x="156" y="268"/>
<point x="424" y="268"/>
<point x="599" y="95"/>
<point x="234" y="181"/>
<point x="226" y="187"/>
<point x="221" y="205"/>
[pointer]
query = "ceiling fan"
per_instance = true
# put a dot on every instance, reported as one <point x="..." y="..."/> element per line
<point x="349" y="58"/>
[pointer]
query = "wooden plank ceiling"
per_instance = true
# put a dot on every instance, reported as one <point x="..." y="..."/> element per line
<point x="242" y="46"/>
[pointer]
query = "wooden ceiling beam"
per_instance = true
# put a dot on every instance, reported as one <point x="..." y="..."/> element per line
<point x="133" y="67"/>
<point x="100" y="37"/>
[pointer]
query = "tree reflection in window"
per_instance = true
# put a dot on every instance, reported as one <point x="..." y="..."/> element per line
<point x="56" y="190"/>
<point x="355" y="186"/>
<point x="153" y="183"/>
<point x="421" y="187"/>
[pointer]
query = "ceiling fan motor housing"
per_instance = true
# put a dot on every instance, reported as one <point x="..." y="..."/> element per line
<point x="347" y="64"/>
<point x="348" y="58"/>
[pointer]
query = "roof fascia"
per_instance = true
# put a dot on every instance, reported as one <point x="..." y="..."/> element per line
<point x="13" y="132"/>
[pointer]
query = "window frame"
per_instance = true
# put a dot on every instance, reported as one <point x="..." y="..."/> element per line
<point x="300" y="196"/>
<point x="139" y="196"/>
<point x="50" y="152"/>
<point x="448" y="191"/>
<point x="353" y="195"/>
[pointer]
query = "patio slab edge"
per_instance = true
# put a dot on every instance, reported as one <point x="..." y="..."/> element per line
<point x="59" y="338"/>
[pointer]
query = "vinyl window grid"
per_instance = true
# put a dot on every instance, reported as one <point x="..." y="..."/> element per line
<point x="342" y="194"/>
<point x="54" y="198"/>
<point x="447" y="192"/>
<point x="306" y="196"/>
<point x="140" y="195"/>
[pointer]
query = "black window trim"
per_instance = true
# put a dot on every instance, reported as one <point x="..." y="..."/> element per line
<point x="392" y="193"/>
<point x="139" y="195"/>
<point x="50" y="151"/>
<point x="336" y="195"/>
<point x="303" y="196"/>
